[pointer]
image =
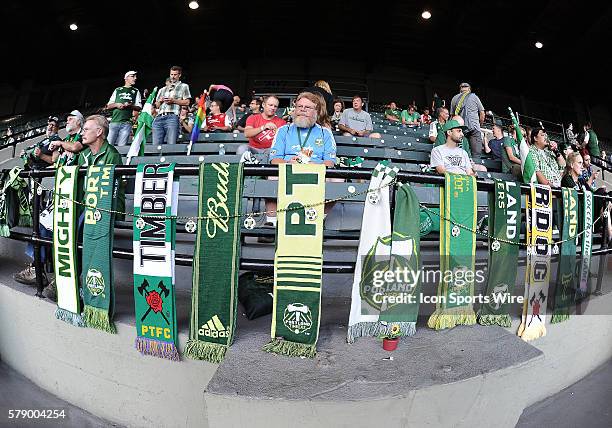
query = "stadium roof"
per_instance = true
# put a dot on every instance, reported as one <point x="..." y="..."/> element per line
<point x="486" y="42"/>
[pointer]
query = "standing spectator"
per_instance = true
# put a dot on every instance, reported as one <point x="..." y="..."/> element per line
<point x="449" y="157"/>
<point x="322" y="88"/>
<point x="393" y="114"/>
<point x="436" y="128"/>
<point x="549" y="162"/>
<point x="410" y="117"/>
<point x="357" y="122"/>
<point x="254" y="108"/>
<point x="169" y="101"/>
<point x="591" y="141"/>
<point x="124" y="101"/>
<point x="69" y="147"/>
<point x="338" y="109"/>
<point x="223" y="94"/>
<point x="467" y="105"/>
<point x="437" y="102"/>
<point x="261" y="128"/>
<point x="217" y="121"/>
<point x="425" y="118"/>
<point x="511" y="159"/>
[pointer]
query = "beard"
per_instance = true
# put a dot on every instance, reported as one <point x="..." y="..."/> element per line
<point x="304" y="122"/>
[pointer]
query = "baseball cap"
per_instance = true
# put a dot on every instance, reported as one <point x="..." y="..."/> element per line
<point x="129" y="73"/>
<point x="465" y="85"/>
<point x="53" y="119"/>
<point x="453" y="124"/>
<point x="78" y="115"/>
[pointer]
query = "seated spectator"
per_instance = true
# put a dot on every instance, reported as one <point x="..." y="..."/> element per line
<point x="494" y="145"/>
<point x="41" y="156"/>
<point x="357" y="122"/>
<point x="410" y="117"/>
<point x="589" y="174"/>
<point x="393" y="114"/>
<point x="437" y="102"/>
<point x="322" y="88"/>
<point x="338" y="109"/>
<point x="261" y="128"/>
<point x="322" y="117"/>
<point x="572" y="177"/>
<point x="425" y="117"/>
<point x="254" y="108"/>
<point x="187" y="119"/>
<point x="238" y="105"/>
<point x="449" y="157"/>
<point x="436" y="128"/>
<point x="549" y="162"/>
<point x="511" y="159"/>
<point x="69" y="147"/>
<point x="217" y="121"/>
<point x="288" y="112"/>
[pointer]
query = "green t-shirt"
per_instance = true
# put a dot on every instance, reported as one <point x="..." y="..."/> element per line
<point x="108" y="155"/>
<point x="410" y="117"/>
<point x="506" y="162"/>
<point x="397" y="113"/>
<point x="122" y="95"/>
<point x="593" y="144"/>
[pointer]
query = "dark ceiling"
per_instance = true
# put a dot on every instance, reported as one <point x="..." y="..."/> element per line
<point x="486" y="42"/>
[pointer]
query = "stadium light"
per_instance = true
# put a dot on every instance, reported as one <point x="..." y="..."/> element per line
<point x="194" y="5"/>
<point x="426" y="14"/>
<point x="539" y="45"/>
<point x="73" y="27"/>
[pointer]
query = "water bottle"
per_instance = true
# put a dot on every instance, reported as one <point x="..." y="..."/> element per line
<point x="221" y="149"/>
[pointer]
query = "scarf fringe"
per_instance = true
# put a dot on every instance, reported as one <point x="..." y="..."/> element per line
<point x="560" y="316"/>
<point x="69" y="317"/>
<point x="533" y="332"/>
<point x="157" y="348"/>
<point x="25" y="220"/>
<point x="375" y="329"/>
<point x="4" y="230"/>
<point x="99" y="319"/>
<point x="449" y="318"/>
<point x="490" y="319"/>
<point x="199" y="350"/>
<point x="290" y="349"/>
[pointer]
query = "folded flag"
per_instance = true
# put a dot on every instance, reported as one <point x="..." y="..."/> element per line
<point x="197" y="122"/>
<point x="145" y="124"/>
<point x="15" y="207"/>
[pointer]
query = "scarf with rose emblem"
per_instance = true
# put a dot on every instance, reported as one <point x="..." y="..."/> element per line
<point x="216" y="262"/>
<point x="155" y="209"/>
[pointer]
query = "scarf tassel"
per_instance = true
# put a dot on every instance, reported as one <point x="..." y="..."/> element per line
<point x="291" y="349"/>
<point x="69" y="317"/>
<point x="560" y="316"/>
<point x="4" y="230"/>
<point x="449" y="318"/>
<point x="375" y="329"/>
<point x="490" y="319"/>
<point x="533" y="332"/>
<point x="99" y="319"/>
<point x="157" y="348"/>
<point x="25" y="220"/>
<point x="199" y="350"/>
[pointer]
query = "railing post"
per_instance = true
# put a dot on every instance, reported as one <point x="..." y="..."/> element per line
<point x="603" y="257"/>
<point x="36" y="234"/>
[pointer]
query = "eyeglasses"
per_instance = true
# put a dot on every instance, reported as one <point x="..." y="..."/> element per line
<point x="304" y="107"/>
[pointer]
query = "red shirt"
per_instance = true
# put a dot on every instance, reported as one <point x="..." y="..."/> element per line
<point x="216" y="121"/>
<point x="264" y="139"/>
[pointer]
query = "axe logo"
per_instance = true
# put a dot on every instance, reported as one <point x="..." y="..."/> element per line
<point x="154" y="298"/>
<point x="297" y="318"/>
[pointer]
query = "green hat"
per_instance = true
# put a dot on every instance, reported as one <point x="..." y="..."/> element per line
<point x="452" y="124"/>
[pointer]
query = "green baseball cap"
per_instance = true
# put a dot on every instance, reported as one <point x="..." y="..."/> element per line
<point x="452" y="124"/>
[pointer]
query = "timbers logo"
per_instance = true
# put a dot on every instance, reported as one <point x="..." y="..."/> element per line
<point x="95" y="282"/>
<point x="297" y="318"/>
<point x="154" y="298"/>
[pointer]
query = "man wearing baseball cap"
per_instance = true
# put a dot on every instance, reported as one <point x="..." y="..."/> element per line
<point x="449" y="157"/>
<point x="123" y="102"/>
<point x="67" y="149"/>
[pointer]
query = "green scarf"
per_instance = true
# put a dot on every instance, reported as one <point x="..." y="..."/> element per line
<point x="564" y="295"/>
<point x="539" y="238"/>
<point x="298" y="261"/>
<point x="97" y="273"/>
<point x="457" y="253"/>
<point x="65" y="246"/>
<point x="504" y="222"/>
<point x="215" y="283"/>
<point x="587" y="243"/>
<point x="14" y="193"/>
<point x="155" y="197"/>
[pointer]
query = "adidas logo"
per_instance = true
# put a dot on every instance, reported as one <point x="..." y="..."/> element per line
<point x="213" y="328"/>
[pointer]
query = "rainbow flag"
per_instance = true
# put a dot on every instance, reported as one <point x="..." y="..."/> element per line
<point x="197" y="123"/>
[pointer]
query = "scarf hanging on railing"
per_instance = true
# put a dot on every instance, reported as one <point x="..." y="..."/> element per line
<point x="587" y="246"/>
<point x="155" y="197"/>
<point x="564" y="293"/>
<point x="216" y="262"/>
<point x="298" y="261"/>
<point x="457" y="253"/>
<point x="504" y="225"/>
<point x="14" y="201"/>
<point x="65" y="246"/>
<point x="537" y="272"/>
<point x="97" y="273"/>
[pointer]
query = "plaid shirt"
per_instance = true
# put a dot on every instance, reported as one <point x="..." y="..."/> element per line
<point x="546" y="163"/>
<point x="178" y="91"/>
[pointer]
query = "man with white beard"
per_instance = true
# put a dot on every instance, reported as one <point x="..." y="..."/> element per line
<point x="303" y="141"/>
<point x="68" y="149"/>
